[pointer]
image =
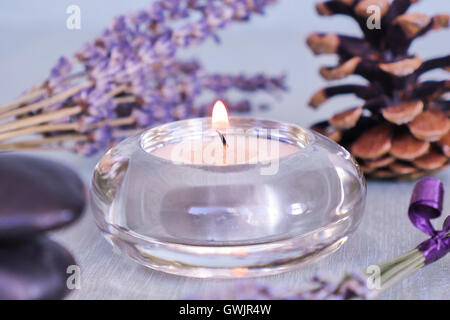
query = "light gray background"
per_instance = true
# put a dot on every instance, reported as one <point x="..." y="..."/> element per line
<point x="34" y="35"/>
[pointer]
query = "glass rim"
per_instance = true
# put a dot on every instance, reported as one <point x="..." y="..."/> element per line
<point x="173" y="132"/>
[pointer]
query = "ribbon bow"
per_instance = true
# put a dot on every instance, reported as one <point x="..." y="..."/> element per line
<point x="426" y="204"/>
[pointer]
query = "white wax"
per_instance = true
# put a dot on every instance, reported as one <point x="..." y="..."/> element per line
<point x="239" y="150"/>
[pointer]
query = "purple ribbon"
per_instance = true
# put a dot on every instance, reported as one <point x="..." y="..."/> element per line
<point x="426" y="204"/>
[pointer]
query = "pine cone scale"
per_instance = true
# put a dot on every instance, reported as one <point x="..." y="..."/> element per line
<point x="430" y="125"/>
<point x="430" y="161"/>
<point x="379" y="163"/>
<point x="402" y="168"/>
<point x="403" y="112"/>
<point x="346" y="119"/>
<point x="373" y="143"/>
<point x="407" y="147"/>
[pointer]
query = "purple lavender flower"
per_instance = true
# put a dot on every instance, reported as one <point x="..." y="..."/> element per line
<point x="130" y="76"/>
<point x="352" y="286"/>
<point x="60" y="71"/>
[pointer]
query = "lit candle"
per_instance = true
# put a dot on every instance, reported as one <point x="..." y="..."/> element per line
<point x="227" y="197"/>
<point x="222" y="144"/>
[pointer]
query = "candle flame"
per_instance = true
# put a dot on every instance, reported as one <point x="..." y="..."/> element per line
<point x="219" y="116"/>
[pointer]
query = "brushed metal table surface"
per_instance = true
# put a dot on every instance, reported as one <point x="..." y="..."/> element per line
<point x="385" y="232"/>
<point x="34" y="35"/>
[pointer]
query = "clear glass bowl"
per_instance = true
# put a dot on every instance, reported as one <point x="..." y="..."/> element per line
<point x="227" y="221"/>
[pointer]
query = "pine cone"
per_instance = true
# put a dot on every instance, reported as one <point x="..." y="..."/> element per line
<point x="402" y="129"/>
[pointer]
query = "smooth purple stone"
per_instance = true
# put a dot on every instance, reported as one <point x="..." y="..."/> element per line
<point x="34" y="270"/>
<point x="37" y="195"/>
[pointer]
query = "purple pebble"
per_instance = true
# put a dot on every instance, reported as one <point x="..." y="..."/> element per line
<point x="34" y="270"/>
<point x="37" y="195"/>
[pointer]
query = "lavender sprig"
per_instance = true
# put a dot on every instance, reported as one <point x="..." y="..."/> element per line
<point x="352" y="286"/>
<point x="426" y="204"/>
<point x="130" y="78"/>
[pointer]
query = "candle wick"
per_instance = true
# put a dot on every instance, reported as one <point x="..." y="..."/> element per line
<point x="222" y="137"/>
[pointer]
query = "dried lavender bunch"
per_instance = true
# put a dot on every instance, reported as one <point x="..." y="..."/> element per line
<point x="402" y="129"/>
<point x="426" y="204"/>
<point x="130" y="78"/>
<point x="352" y="286"/>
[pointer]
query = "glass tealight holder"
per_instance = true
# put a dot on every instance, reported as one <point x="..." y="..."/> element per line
<point x="222" y="221"/>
